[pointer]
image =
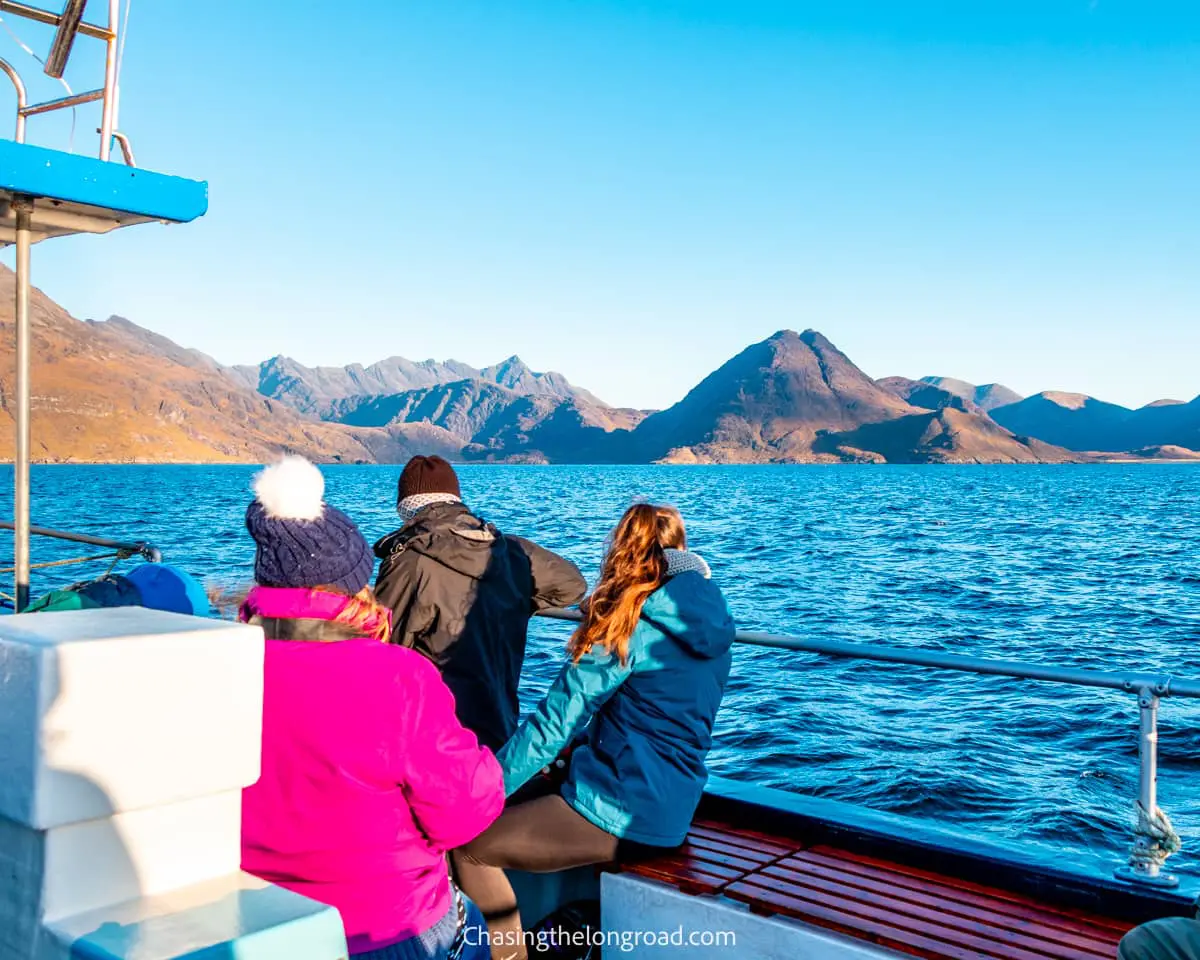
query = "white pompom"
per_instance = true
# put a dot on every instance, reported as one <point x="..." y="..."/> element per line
<point x="292" y="489"/>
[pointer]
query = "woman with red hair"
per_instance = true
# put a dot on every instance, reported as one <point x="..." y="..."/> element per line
<point x="643" y="684"/>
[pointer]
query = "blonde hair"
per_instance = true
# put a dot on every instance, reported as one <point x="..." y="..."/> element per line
<point x="365" y="614"/>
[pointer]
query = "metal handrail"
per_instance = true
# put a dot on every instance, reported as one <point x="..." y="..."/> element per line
<point x="108" y="94"/>
<point x="1144" y="862"/>
<point x="22" y="98"/>
<point x="129" y="548"/>
<point x="1163" y="686"/>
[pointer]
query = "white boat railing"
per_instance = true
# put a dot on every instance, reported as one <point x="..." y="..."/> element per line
<point x="1154" y="837"/>
<point x="115" y="550"/>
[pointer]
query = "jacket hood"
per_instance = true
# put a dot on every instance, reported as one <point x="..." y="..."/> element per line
<point x="301" y="604"/>
<point x="692" y="611"/>
<point x="449" y="534"/>
<point x="293" y="603"/>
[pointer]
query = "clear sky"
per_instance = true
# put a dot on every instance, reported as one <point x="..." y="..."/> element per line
<point x="631" y="192"/>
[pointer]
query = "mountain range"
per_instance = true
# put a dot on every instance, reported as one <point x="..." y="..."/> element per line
<point x="113" y="391"/>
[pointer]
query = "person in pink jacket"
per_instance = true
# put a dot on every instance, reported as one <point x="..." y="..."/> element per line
<point x="368" y="779"/>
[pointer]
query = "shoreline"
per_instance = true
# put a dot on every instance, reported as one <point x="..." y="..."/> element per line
<point x="1096" y="461"/>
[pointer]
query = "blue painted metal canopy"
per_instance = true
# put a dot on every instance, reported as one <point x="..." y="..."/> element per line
<point x="74" y="194"/>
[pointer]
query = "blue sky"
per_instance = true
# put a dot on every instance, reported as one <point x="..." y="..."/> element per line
<point x="631" y="192"/>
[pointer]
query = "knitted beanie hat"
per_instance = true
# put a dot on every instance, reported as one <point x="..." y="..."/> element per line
<point x="427" y="475"/>
<point x="302" y="541"/>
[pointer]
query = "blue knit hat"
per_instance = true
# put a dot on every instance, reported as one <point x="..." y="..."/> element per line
<point x="302" y="541"/>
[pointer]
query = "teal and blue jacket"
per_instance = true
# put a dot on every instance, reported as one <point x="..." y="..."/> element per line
<point x="640" y="772"/>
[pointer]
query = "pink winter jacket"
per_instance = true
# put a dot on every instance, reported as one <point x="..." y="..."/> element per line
<point x="367" y="778"/>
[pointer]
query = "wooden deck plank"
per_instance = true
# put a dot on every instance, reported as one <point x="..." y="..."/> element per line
<point x="687" y="879"/>
<point x="933" y="939"/>
<point x="951" y="897"/>
<point x="748" y="839"/>
<point x="832" y="918"/>
<point x="680" y="861"/>
<point x="693" y="851"/>
<point x="1022" y="934"/>
<point x="912" y="911"/>
<point x="896" y="871"/>
<point x="954" y="898"/>
<point x="705" y="846"/>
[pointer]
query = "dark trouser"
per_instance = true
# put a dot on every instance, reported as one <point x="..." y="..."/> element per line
<point x="538" y="832"/>
<point x="1175" y="938"/>
<point x="540" y="836"/>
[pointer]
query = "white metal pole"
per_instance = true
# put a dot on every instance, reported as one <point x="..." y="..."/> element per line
<point x="108" y="119"/>
<point x="23" y="207"/>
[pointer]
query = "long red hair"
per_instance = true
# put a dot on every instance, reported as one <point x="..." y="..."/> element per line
<point x="634" y="567"/>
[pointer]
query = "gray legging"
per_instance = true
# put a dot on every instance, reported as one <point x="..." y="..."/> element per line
<point x="1175" y="938"/>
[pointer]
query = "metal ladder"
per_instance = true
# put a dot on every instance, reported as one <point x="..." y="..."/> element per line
<point x="68" y="25"/>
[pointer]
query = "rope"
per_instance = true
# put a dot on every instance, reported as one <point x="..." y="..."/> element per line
<point x="1155" y="839"/>
<point x="124" y="28"/>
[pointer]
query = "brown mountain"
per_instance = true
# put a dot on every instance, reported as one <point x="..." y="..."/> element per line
<point x="768" y="403"/>
<point x="1166" y="451"/>
<point x="498" y="421"/>
<point x="919" y="393"/>
<point x="945" y="435"/>
<point x="938" y="392"/>
<point x="987" y="396"/>
<point x="797" y="398"/>
<point x="111" y="391"/>
<point x="1080" y="422"/>
<point x="325" y="392"/>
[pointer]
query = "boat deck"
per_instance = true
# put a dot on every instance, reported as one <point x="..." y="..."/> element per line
<point x="900" y="908"/>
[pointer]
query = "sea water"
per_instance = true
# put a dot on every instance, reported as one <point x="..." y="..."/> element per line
<point x="1091" y="566"/>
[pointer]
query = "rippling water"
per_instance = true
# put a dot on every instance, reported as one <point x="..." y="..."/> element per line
<point x="1088" y="566"/>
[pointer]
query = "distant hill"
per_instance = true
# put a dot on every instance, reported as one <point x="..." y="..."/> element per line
<point x="1079" y="422"/>
<point x="1167" y="424"/>
<point x="987" y="396"/>
<point x="796" y="397"/>
<point x="1070" y="420"/>
<point x="318" y="391"/>
<point x="946" y="435"/>
<point x="496" y="420"/>
<point x="111" y="391"/>
<point x="1167" y="452"/>
<point x="982" y="398"/>
<point x="768" y="403"/>
<point x="926" y="395"/>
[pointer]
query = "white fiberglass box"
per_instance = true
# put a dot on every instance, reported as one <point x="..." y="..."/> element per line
<point x="115" y="710"/>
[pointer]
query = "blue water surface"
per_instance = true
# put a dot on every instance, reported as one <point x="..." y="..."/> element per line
<point x="1083" y="565"/>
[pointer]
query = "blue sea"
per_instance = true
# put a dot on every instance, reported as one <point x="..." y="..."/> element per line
<point x="1084" y="565"/>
